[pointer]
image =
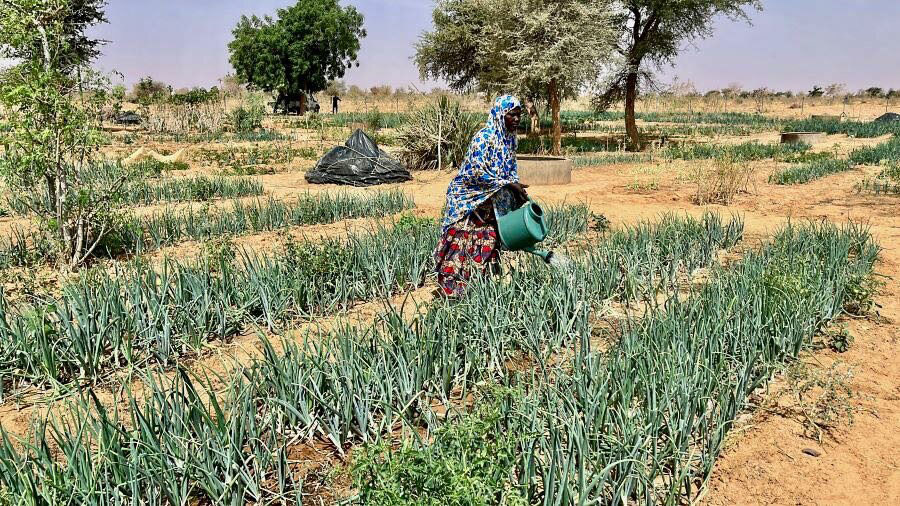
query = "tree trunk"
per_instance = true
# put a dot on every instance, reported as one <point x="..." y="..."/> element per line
<point x="535" y="118"/>
<point x="634" y="136"/>
<point x="302" y="108"/>
<point x="553" y="91"/>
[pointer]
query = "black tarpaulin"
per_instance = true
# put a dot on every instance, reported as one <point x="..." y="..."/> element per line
<point x="359" y="162"/>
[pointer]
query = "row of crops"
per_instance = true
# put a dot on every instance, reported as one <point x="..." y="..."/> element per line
<point x="684" y="123"/>
<point x="138" y="235"/>
<point x="104" y="320"/>
<point x="744" y="152"/>
<point x="886" y="182"/>
<point x="641" y="422"/>
<point x="145" y="189"/>
<point x="885" y="152"/>
<point x="645" y="421"/>
<point x="344" y="387"/>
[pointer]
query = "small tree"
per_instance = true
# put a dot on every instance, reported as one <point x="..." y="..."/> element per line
<point x="875" y="92"/>
<point x="51" y="125"/>
<point x="651" y="33"/>
<point x="335" y="88"/>
<point x="539" y="49"/>
<point x="148" y="91"/>
<point x="836" y="90"/>
<point x="306" y="46"/>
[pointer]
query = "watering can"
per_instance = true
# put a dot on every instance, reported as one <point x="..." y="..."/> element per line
<point x="522" y="229"/>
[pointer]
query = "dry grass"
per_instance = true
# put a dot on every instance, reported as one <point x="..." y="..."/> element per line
<point x="719" y="181"/>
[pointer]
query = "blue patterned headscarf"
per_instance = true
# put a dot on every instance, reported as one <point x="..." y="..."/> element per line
<point x="489" y="166"/>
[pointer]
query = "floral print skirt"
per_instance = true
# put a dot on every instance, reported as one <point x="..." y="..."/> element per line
<point x="468" y="249"/>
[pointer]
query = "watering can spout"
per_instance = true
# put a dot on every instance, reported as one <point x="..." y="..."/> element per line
<point x="546" y="255"/>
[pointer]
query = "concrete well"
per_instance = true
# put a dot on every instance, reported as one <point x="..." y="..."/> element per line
<point x="541" y="170"/>
<point x="805" y="137"/>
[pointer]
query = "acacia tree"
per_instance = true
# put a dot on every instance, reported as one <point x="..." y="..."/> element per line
<point x="50" y="127"/>
<point x="306" y="46"/>
<point x="651" y="34"/>
<point x="539" y="49"/>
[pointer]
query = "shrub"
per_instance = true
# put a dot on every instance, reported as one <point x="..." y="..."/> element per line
<point x="248" y="119"/>
<point x="374" y="120"/>
<point x="439" y="131"/>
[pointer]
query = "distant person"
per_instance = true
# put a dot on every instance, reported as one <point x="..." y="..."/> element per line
<point x="334" y="104"/>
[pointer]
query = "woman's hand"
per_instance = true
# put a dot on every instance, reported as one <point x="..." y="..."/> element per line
<point x="519" y="189"/>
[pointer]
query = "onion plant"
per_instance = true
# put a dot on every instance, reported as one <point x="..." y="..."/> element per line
<point x="138" y="235"/>
<point x="748" y="151"/>
<point x="799" y="174"/>
<point x="645" y="421"/>
<point x="886" y="151"/>
<point x="104" y="321"/>
<point x="189" y="189"/>
<point x="351" y="385"/>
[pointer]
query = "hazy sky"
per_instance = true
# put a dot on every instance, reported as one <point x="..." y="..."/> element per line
<point x="792" y="44"/>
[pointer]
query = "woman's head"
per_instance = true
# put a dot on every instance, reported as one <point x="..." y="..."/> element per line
<point x="507" y="113"/>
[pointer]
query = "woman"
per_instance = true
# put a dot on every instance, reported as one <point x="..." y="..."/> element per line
<point x="487" y="186"/>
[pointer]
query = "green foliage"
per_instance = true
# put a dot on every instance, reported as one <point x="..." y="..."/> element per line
<point x="569" y="144"/>
<point x="374" y="120"/>
<point x="799" y="174"/>
<point x="540" y="50"/>
<point x="516" y="46"/>
<point x="838" y="340"/>
<point x="238" y="159"/>
<point x="133" y="235"/>
<point x="748" y="151"/>
<point x="441" y="130"/>
<point x="887" y="182"/>
<point x="188" y="189"/>
<point x="387" y="119"/>
<point x="148" y="91"/>
<point x="888" y="151"/>
<point x="471" y="461"/>
<point x="352" y="385"/>
<point x="611" y="159"/>
<point x="259" y="136"/>
<point x="195" y="96"/>
<point x="244" y="120"/>
<point x="857" y="129"/>
<point x="598" y="426"/>
<point x="309" y="43"/>
<point x="51" y="126"/>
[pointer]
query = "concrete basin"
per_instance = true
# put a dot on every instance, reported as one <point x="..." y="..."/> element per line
<point x="804" y="137"/>
<point x="539" y="170"/>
